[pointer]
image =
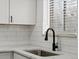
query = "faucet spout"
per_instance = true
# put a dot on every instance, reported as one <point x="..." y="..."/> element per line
<point x="46" y="38"/>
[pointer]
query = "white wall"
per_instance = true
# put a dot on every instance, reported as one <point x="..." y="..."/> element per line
<point x="68" y="44"/>
<point x="13" y="36"/>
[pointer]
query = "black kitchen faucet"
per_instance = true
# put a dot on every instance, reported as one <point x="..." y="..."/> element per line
<point x="54" y="46"/>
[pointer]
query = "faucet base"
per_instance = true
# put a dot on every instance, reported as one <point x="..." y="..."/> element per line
<point x="54" y="46"/>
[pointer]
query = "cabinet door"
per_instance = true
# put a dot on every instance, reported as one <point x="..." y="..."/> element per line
<point x="4" y="11"/>
<point x="17" y="56"/>
<point x="23" y="11"/>
<point x="4" y="55"/>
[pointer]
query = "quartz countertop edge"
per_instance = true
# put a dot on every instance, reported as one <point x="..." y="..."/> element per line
<point x="29" y="55"/>
<point x="23" y="53"/>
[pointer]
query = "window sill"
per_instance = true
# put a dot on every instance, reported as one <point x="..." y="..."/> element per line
<point x="64" y="34"/>
<point x="71" y="35"/>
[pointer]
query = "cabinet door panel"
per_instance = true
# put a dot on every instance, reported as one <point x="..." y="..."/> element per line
<point x="4" y="55"/>
<point x="4" y="11"/>
<point x="23" y="11"/>
<point x="17" y="56"/>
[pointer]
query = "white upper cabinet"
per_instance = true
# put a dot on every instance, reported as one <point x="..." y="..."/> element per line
<point x="4" y="11"/>
<point x="23" y="11"/>
<point x="18" y="12"/>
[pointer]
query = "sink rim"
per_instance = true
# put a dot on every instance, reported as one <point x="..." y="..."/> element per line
<point x="57" y="54"/>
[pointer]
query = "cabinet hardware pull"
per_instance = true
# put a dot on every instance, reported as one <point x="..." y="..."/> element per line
<point x="11" y="19"/>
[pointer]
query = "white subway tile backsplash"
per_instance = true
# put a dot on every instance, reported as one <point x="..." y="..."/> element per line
<point x="13" y="35"/>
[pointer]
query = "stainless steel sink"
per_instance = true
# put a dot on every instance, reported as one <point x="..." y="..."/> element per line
<point x="41" y="53"/>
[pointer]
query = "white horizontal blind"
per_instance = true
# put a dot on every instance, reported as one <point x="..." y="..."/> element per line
<point x="51" y="12"/>
<point x="71" y="16"/>
<point x="57" y="20"/>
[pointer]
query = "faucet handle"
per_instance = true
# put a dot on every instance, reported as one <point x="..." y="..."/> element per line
<point x="56" y="45"/>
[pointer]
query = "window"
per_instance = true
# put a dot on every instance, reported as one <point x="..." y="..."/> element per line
<point x="61" y="15"/>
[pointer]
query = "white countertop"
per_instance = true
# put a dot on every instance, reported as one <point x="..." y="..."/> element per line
<point x="20" y="50"/>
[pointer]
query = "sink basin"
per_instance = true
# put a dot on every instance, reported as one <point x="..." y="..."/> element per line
<point x="41" y="53"/>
